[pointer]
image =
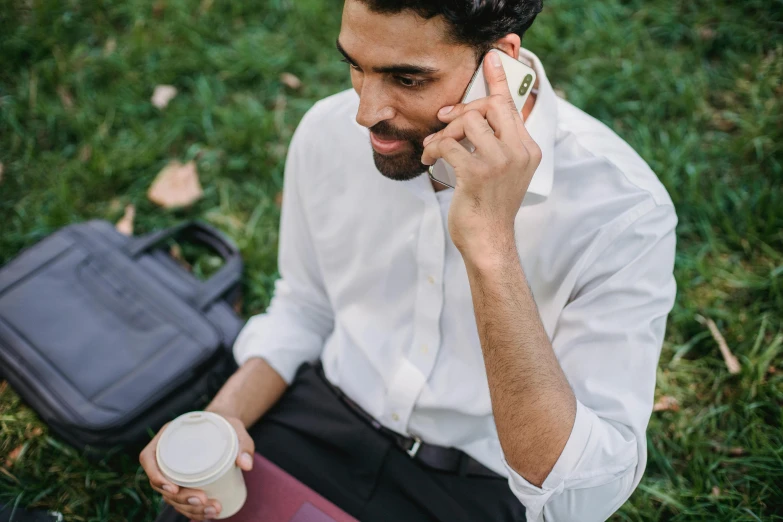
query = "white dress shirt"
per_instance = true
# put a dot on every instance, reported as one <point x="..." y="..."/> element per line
<point x="372" y="284"/>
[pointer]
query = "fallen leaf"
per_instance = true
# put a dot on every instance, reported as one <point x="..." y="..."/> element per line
<point x="115" y="205"/>
<point x="158" y="8"/>
<point x="290" y="80"/>
<point x="85" y="153"/>
<point x="162" y="95"/>
<point x="8" y="474"/>
<point x="177" y="185"/>
<point x="706" y="32"/>
<point x="731" y="361"/>
<point x="666" y="403"/>
<point x="279" y="199"/>
<point x="176" y="253"/>
<point x="65" y="97"/>
<point x="37" y="431"/>
<point x="722" y="123"/>
<point x="125" y="224"/>
<point x="205" y="6"/>
<point x="772" y="370"/>
<point x="110" y="46"/>
<point x="715" y="491"/>
<point x="734" y="451"/>
<point x="13" y="456"/>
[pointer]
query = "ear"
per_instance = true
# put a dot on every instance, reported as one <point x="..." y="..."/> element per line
<point x="509" y="44"/>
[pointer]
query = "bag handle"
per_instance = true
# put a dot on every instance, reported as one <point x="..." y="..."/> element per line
<point x="221" y="281"/>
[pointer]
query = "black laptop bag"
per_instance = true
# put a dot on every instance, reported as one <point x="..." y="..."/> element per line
<point x="108" y="338"/>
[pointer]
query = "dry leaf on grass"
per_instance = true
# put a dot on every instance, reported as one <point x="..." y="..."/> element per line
<point x="177" y="185"/>
<point x="706" y="32"/>
<point x="176" y="253"/>
<point x="715" y="491"/>
<point x="666" y="403"/>
<point x="1" y="172"/>
<point x="734" y="451"/>
<point x="162" y="95"/>
<point x="8" y="474"/>
<point x="13" y="456"/>
<point x="65" y="97"/>
<point x="85" y="153"/>
<point x="731" y="361"/>
<point x="110" y="46"/>
<point x="290" y="80"/>
<point x="125" y="224"/>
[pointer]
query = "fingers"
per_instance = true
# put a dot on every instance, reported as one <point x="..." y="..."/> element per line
<point x="246" y="445"/>
<point x="150" y="465"/>
<point x="192" y="502"/>
<point x="189" y="502"/>
<point x="474" y="127"/>
<point x="448" y="149"/>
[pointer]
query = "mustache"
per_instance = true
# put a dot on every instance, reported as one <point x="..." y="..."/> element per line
<point x="385" y="130"/>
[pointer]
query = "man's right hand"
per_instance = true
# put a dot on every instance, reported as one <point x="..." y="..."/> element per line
<point x="193" y="503"/>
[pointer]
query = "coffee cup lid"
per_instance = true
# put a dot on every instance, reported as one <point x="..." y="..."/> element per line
<point x="197" y="448"/>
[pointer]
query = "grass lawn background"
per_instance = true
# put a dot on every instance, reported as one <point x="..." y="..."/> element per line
<point x="694" y="86"/>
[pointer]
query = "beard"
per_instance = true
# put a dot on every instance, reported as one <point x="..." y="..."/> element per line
<point x="406" y="164"/>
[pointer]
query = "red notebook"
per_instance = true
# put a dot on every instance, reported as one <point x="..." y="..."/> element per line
<point x="275" y="496"/>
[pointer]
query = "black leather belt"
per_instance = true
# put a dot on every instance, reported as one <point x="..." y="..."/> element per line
<point x="441" y="458"/>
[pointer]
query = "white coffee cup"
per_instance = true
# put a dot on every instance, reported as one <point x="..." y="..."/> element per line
<point x="199" y="450"/>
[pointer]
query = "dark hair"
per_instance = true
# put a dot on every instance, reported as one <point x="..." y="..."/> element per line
<point x="477" y="23"/>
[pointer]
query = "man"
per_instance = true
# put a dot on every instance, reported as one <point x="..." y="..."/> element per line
<point x="488" y="352"/>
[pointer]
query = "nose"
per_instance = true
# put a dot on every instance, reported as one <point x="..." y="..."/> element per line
<point x="374" y="105"/>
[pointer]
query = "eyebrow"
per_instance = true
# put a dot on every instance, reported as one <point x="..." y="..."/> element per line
<point x="403" y="68"/>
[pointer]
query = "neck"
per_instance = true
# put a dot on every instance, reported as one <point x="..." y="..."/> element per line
<point x="526" y="110"/>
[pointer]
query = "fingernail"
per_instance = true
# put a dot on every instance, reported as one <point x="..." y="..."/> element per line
<point x="210" y="511"/>
<point x="445" y="110"/>
<point x="428" y="139"/>
<point x="495" y="58"/>
<point x="194" y="501"/>
<point x="246" y="460"/>
<point x="168" y="488"/>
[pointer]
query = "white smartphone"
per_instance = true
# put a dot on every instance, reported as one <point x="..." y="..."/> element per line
<point x="521" y="79"/>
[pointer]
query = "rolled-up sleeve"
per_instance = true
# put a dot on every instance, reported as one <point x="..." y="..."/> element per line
<point x="294" y="327"/>
<point x="608" y="340"/>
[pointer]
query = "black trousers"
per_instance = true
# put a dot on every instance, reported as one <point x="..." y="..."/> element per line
<point x="312" y="435"/>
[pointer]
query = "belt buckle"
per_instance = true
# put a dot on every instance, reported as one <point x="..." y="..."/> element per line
<point x="415" y="448"/>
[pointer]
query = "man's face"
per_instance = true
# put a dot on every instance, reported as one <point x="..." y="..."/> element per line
<point x="404" y="69"/>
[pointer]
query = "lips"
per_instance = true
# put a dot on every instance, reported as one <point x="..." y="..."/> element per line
<point x="385" y="146"/>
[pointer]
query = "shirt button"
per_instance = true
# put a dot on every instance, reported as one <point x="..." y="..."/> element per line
<point x="395" y="417"/>
<point x="431" y="280"/>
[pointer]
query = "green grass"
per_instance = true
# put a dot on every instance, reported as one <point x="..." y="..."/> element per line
<point x="694" y="86"/>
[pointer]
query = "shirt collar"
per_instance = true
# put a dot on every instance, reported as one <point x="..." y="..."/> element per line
<point x="542" y="126"/>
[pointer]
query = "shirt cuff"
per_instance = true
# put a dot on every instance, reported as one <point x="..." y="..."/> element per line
<point x="254" y="341"/>
<point x="534" y="498"/>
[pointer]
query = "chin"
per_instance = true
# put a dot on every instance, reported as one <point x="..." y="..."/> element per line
<point x="399" y="167"/>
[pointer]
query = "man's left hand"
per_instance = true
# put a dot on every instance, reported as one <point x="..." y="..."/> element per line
<point x="492" y="180"/>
